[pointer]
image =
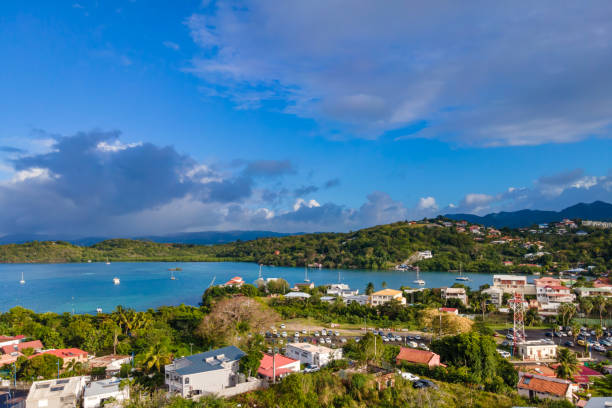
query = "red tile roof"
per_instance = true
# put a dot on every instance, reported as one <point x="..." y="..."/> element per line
<point x="415" y="356"/>
<point x="266" y="369"/>
<point x="66" y="353"/>
<point x="543" y="384"/>
<point x="35" y="344"/>
<point x="9" y="338"/>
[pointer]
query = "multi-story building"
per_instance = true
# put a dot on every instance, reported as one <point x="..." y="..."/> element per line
<point x="538" y="386"/>
<point x="204" y="373"/>
<point x="342" y="290"/>
<point x="455" y="293"/>
<point x="312" y="354"/>
<point x="537" y="350"/>
<point x="496" y="295"/>
<point x="97" y="393"/>
<point x="386" y="295"/>
<point x="605" y="291"/>
<point x="551" y="293"/>
<point x="514" y="284"/>
<point x="60" y="393"/>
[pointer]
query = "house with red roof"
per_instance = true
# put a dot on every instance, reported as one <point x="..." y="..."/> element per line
<point x="278" y="365"/>
<point x="36" y="345"/>
<point x="236" y="281"/>
<point x="539" y="386"/>
<point x="416" y="356"/>
<point x="69" y="355"/>
<point x="452" y="310"/>
<point x="10" y="340"/>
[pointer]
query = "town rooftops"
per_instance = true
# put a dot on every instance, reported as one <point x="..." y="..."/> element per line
<point x="102" y="387"/>
<point x="539" y="369"/>
<point x="415" y="356"/>
<point x="387" y="292"/>
<point x="105" y="361"/>
<point x="540" y="383"/>
<point x="35" y="344"/>
<point x="207" y="361"/>
<point x="266" y="369"/>
<point x="509" y="278"/>
<point x="235" y="281"/>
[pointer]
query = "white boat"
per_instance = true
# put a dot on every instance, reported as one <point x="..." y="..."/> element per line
<point x="172" y="277"/>
<point x="107" y="261"/>
<point x="461" y="277"/>
<point x="306" y="274"/>
<point x="418" y="280"/>
<point x="116" y="281"/>
<point x="22" y="281"/>
<point x="99" y="310"/>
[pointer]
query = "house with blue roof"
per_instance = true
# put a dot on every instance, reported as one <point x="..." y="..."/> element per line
<point x="211" y="372"/>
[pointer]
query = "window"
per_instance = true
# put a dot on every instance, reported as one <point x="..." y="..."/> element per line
<point x="186" y="380"/>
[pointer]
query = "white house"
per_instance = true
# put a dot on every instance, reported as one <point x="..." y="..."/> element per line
<point x="496" y="294"/>
<point x="204" y="373"/>
<point x="277" y="365"/>
<point x="312" y="354"/>
<point x="342" y="290"/>
<point x="98" y="392"/>
<point x="551" y="295"/>
<point x="425" y="254"/>
<point x="63" y="393"/>
<point x="386" y="295"/>
<point x="359" y="299"/>
<point x="537" y="350"/>
<point x="11" y="340"/>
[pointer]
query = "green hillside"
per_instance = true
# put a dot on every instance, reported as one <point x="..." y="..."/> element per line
<point x="380" y="247"/>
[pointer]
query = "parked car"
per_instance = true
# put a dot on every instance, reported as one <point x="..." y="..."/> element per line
<point x="548" y="334"/>
<point x="316" y="334"/>
<point x="424" y="384"/>
<point x="582" y="342"/>
<point x="323" y="332"/>
<point x="297" y="334"/>
<point x="328" y="340"/>
<point x="282" y="326"/>
<point x="413" y="344"/>
<point x="569" y="344"/>
<point x="284" y="334"/>
<point x="311" y="369"/>
<point x="304" y="331"/>
<point x="337" y="333"/>
<point x="503" y="353"/>
<point x="343" y="340"/>
<point x="600" y="348"/>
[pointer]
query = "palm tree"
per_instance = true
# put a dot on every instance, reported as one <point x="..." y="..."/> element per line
<point x="575" y="326"/>
<point x="155" y="357"/>
<point x="587" y="306"/>
<point x="483" y="302"/>
<point x="384" y="285"/>
<point x="567" y="311"/>
<point x="568" y="363"/>
<point x="600" y="303"/>
<point x="369" y="288"/>
<point x="598" y="333"/>
<point x="602" y="386"/>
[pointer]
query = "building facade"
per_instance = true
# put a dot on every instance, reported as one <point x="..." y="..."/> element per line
<point x="311" y="354"/>
<point x="386" y="295"/>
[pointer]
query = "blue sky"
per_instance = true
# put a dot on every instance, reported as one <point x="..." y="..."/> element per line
<point x="134" y="117"/>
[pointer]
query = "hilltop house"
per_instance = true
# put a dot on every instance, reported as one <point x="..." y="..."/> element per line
<point x="537" y="350"/>
<point x="513" y="283"/>
<point x="236" y="281"/>
<point x="64" y="393"/>
<point x="97" y="393"/>
<point x="204" y="373"/>
<point x="312" y="354"/>
<point x="277" y="365"/>
<point x="70" y="355"/>
<point x="455" y="293"/>
<point x="550" y="294"/>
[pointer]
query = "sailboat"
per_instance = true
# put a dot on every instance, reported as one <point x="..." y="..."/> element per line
<point x="461" y="277"/>
<point x="172" y="277"/>
<point x="116" y="281"/>
<point x="22" y="281"/>
<point x="107" y="261"/>
<point x="306" y="274"/>
<point x="418" y="280"/>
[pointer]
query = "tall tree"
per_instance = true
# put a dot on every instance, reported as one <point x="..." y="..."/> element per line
<point x="155" y="357"/>
<point x="568" y="363"/>
<point x="369" y="288"/>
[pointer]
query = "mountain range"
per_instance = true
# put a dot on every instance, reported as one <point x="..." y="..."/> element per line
<point x="196" y="238"/>
<point x="596" y="211"/>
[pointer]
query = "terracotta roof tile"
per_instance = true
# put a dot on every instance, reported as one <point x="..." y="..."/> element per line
<point x="415" y="356"/>
<point x="543" y="384"/>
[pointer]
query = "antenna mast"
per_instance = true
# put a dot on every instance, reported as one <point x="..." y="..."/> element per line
<point x="519" y="321"/>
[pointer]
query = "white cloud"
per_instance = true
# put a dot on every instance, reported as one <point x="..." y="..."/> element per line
<point x="487" y="73"/>
<point x="172" y="45"/>
<point x="427" y="203"/>
<point x="116" y="146"/>
<point x="300" y="202"/>
<point x="36" y="173"/>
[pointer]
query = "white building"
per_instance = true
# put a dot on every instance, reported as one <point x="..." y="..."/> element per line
<point x="537" y="350"/>
<point x="538" y="386"/>
<point x="550" y="294"/>
<point x="386" y="295"/>
<point x="342" y="290"/>
<point x="455" y="293"/>
<point x="98" y="392"/>
<point x="62" y="393"/>
<point x="605" y="291"/>
<point x="496" y="294"/>
<point x="425" y="254"/>
<point x="11" y="340"/>
<point x="204" y="373"/>
<point x="312" y="354"/>
<point x="514" y="283"/>
<point x="111" y="363"/>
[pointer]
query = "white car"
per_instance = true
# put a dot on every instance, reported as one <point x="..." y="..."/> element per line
<point x="284" y="334"/>
<point x="410" y="377"/>
<point x="323" y="332"/>
<point x="503" y="353"/>
<point x="282" y="326"/>
<point x="328" y="340"/>
<point x="413" y="344"/>
<point x="297" y="334"/>
<point x="304" y="331"/>
<point x="385" y="339"/>
<point x="316" y="334"/>
<point x="343" y="340"/>
<point x="337" y="333"/>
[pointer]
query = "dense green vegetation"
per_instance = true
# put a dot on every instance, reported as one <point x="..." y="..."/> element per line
<point x="378" y="247"/>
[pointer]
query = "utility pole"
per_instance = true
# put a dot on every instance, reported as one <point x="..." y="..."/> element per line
<point x="273" y="367"/>
<point x="190" y="348"/>
<point x="58" y="369"/>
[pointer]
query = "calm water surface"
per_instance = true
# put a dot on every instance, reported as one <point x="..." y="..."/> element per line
<point x="84" y="287"/>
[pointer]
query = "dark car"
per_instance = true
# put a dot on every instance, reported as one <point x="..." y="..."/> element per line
<point x="424" y="384"/>
<point x="569" y="344"/>
<point x="548" y="334"/>
<point x="557" y="334"/>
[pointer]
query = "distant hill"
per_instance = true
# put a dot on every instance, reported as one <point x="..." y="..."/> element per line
<point x="598" y="211"/>
<point x="197" y="238"/>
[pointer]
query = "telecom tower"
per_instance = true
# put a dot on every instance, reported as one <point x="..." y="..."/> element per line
<point x="519" y="323"/>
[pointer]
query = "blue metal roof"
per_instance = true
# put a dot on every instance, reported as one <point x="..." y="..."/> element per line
<point x="208" y="361"/>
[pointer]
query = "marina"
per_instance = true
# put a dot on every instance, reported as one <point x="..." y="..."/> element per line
<point x="85" y="287"/>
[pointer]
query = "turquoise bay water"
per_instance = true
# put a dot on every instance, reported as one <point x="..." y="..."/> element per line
<point x="84" y="287"/>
